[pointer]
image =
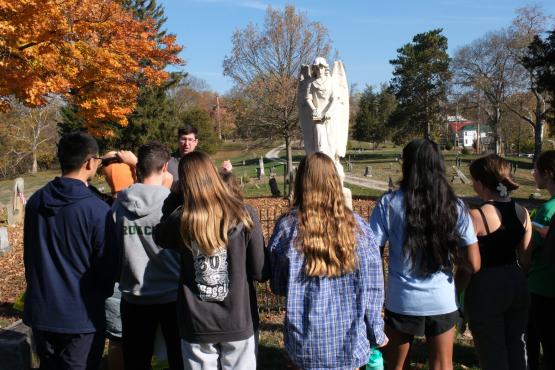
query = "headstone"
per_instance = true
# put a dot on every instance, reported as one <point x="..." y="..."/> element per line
<point x="274" y="187"/>
<point x="368" y="171"/>
<point x="4" y="242"/>
<point x="16" y="347"/>
<point x="461" y="176"/>
<point x="261" y="166"/>
<point x="17" y="207"/>
<point x="456" y="180"/>
<point x="535" y="195"/>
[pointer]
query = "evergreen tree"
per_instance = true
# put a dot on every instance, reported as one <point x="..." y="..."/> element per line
<point x="373" y="115"/>
<point x="421" y="73"/>
<point x="148" y="9"/>
<point x="155" y="117"/>
<point x="540" y="61"/>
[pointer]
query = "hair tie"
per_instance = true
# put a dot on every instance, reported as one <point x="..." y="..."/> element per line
<point x="502" y="189"/>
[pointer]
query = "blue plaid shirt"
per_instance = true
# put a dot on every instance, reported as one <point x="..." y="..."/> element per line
<point x="330" y="322"/>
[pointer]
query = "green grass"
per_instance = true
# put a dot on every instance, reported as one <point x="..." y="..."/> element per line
<point x="245" y="162"/>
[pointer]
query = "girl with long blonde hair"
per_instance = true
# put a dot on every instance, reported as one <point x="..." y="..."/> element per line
<point x="222" y="249"/>
<point x="325" y="261"/>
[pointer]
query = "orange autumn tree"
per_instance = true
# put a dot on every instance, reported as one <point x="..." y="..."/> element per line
<point x="90" y="52"/>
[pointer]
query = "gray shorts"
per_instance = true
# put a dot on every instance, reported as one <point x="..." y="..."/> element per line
<point x="240" y="354"/>
<point x="113" y="316"/>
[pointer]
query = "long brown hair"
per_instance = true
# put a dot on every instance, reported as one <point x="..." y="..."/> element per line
<point x="327" y="227"/>
<point x="209" y="209"/>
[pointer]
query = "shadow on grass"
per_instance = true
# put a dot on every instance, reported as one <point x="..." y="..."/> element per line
<point x="272" y="358"/>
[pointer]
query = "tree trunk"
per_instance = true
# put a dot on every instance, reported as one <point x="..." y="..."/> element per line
<point x="35" y="168"/>
<point x="538" y="138"/>
<point x="290" y="173"/>
<point x="498" y="141"/>
<point x="538" y="126"/>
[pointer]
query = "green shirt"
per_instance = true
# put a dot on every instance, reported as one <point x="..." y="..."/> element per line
<point x="541" y="276"/>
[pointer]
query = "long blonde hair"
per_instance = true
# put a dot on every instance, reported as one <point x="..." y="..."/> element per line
<point x="209" y="209"/>
<point x="327" y="227"/>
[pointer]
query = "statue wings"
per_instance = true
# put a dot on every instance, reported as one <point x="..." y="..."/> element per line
<point x="340" y="127"/>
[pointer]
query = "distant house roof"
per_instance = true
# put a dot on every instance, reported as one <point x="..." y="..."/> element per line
<point x="456" y="126"/>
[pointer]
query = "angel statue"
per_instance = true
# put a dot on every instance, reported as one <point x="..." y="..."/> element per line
<point x="323" y="101"/>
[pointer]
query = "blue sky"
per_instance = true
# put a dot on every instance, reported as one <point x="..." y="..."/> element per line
<point x="366" y="34"/>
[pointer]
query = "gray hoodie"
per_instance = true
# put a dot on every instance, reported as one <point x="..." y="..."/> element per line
<point x="149" y="274"/>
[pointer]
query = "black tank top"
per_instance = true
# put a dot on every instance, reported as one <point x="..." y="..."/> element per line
<point x="499" y="248"/>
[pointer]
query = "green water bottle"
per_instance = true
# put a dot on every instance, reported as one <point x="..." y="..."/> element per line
<point x="376" y="360"/>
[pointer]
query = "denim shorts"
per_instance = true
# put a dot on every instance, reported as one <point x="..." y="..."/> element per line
<point x="429" y="326"/>
<point x="113" y="316"/>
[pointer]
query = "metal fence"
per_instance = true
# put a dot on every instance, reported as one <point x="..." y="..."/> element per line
<point x="268" y="302"/>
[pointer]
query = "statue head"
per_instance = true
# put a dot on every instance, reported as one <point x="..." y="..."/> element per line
<point x="320" y="67"/>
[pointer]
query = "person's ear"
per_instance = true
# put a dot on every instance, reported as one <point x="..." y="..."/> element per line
<point x="89" y="164"/>
<point x="165" y="167"/>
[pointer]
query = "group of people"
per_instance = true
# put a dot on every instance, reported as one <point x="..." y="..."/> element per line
<point x="185" y="251"/>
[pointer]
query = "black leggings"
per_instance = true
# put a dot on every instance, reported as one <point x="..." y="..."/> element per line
<point x="541" y="329"/>
<point x="139" y="323"/>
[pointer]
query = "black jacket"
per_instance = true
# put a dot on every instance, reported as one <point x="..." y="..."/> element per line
<point x="216" y="301"/>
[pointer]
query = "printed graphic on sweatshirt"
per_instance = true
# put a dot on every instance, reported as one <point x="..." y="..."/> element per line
<point x="211" y="276"/>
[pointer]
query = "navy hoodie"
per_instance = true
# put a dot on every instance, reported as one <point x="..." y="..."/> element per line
<point x="69" y="265"/>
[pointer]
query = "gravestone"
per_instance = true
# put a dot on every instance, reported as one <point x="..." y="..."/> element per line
<point x="535" y="195"/>
<point x="274" y="187"/>
<point x="456" y="180"/>
<point x="261" y="166"/>
<point x="16" y="208"/>
<point x="16" y="347"/>
<point x="4" y="241"/>
<point x="368" y="171"/>
<point x="461" y="176"/>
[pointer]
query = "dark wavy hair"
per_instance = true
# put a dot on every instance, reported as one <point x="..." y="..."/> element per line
<point x="431" y="209"/>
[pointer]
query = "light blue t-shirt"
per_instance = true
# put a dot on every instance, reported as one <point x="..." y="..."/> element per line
<point x="408" y="293"/>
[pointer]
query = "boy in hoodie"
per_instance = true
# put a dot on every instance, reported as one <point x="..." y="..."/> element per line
<point x="150" y="275"/>
<point x="69" y="264"/>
